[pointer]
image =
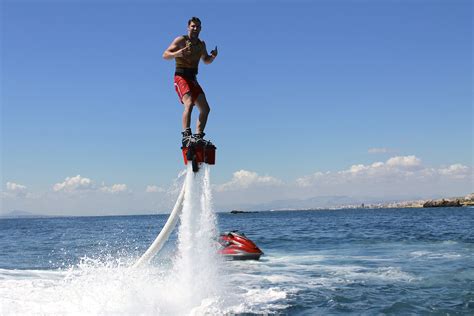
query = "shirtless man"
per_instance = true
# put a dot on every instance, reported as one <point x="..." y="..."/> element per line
<point x="187" y="50"/>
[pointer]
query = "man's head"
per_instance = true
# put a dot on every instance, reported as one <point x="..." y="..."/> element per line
<point x="194" y="27"/>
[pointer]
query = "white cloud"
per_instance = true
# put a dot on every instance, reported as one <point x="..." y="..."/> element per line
<point x="379" y="150"/>
<point x="307" y="181"/>
<point x="72" y="184"/>
<point x="15" y="187"/>
<point x="82" y="184"/>
<point x="244" y="179"/>
<point x="15" y="190"/>
<point x="404" y="162"/>
<point x="394" y="165"/>
<point x="396" y="171"/>
<point x="154" y="189"/>
<point x="116" y="188"/>
<point x="78" y="195"/>
<point x="356" y="169"/>
<point x="457" y="171"/>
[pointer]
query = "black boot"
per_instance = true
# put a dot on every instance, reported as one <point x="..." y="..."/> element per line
<point x="187" y="137"/>
<point x="199" y="140"/>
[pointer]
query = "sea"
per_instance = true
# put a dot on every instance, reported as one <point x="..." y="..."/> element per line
<point x="417" y="261"/>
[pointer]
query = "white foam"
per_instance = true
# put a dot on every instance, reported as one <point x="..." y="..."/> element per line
<point x="91" y="288"/>
<point x="434" y="255"/>
<point x="278" y="278"/>
<point x="449" y="242"/>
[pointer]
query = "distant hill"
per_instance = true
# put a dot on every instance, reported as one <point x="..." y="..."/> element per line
<point x="19" y="214"/>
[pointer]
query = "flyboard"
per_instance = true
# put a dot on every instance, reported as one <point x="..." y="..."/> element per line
<point x="199" y="153"/>
<point x="196" y="154"/>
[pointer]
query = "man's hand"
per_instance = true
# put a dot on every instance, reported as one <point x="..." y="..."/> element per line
<point x="214" y="52"/>
<point x="185" y="51"/>
<point x="174" y="49"/>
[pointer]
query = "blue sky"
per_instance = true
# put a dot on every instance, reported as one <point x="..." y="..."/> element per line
<point x="299" y="87"/>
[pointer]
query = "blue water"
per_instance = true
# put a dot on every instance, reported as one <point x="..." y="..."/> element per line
<point x="361" y="261"/>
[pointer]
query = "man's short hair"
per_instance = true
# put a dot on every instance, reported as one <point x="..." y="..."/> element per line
<point x="195" y="20"/>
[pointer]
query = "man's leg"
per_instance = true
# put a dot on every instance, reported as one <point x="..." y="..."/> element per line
<point x="204" y="110"/>
<point x="188" y="108"/>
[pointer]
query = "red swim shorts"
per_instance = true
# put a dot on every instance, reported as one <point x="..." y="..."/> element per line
<point x="184" y="85"/>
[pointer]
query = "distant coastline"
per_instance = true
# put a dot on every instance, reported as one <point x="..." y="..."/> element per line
<point x="466" y="201"/>
<point x="421" y="203"/>
<point x="424" y="203"/>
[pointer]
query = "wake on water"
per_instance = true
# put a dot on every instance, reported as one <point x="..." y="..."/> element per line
<point x="190" y="284"/>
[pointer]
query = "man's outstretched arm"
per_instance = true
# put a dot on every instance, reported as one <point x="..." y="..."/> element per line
<point x="206" y="58"/>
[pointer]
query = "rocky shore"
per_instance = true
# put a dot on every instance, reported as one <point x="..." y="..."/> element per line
<point x="443" y="203"/>
<point x="468" y="200"/>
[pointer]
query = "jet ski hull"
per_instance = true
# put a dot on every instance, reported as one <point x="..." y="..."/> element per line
<point x="237" y="246"/>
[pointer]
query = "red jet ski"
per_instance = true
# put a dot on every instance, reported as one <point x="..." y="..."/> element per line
<point x="236" y="246"/>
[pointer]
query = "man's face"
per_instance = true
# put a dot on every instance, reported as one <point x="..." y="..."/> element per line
<point x="194" y="29"/>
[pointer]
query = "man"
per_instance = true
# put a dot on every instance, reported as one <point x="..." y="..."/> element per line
<point x="187" y="51"/>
